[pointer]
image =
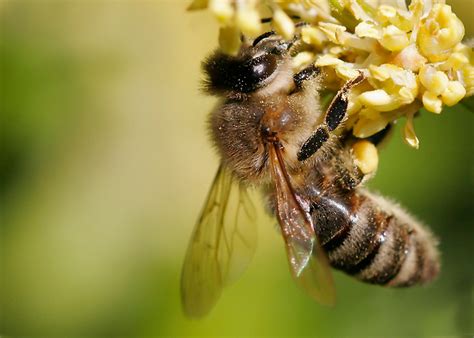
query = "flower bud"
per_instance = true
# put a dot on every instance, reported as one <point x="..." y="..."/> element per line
<point x="439" y="33"/>
<point x="454" y="93"/>
<point x="366" y="156"/>
<point x="432" y="103"/>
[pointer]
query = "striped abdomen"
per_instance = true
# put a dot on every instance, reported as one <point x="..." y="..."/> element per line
<point x="374" y="240"/>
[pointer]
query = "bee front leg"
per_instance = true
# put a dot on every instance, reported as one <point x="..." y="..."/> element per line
<point x="335" y="115"/>
<point x="313" y="143"/>
<point x="337" y="110"/>
<point x="306" y="74"/>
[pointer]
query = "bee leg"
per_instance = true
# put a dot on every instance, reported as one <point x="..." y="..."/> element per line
<point x="335" y="114"/>
<point x="313" y="143"/>
<point x="379" y="137"/>
<point x="349" y="177"/>
<point x="306" y="74"/>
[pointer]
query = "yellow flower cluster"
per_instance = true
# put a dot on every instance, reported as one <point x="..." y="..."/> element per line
<point x="413" y="56"/>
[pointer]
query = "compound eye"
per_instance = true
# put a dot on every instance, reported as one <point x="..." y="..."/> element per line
<point x="256" y="71"/>
<point x="263" y="66"/>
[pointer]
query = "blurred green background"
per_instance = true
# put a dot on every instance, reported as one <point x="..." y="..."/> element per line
<point x="105" y="163"/>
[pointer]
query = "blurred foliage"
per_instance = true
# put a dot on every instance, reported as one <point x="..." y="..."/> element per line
<point x="104" y="164"/>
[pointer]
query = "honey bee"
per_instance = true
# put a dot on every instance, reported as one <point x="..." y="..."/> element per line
<point x="271" y="132"/>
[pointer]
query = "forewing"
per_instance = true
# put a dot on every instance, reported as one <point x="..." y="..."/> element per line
<point x="316" y="279"/>
<point x="221" y="246"/>
<point x="308" y="262"/>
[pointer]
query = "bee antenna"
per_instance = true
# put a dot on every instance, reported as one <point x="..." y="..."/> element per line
<point x="301" y="24"/>
<point x="270" y="33"/>
<point x="270" y="19"/>
<point x="262" y="37"/>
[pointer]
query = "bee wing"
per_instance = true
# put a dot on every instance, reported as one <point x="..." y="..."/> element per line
<point x="316" y="278"/>
<point x="221" y="246"/>
<point x="308" y="262"/>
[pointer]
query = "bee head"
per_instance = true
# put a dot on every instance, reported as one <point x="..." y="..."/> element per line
<point x="253" y="68"/>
